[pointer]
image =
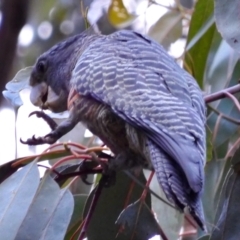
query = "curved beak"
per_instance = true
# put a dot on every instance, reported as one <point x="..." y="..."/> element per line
<point x="38" y="94"/>
<point x="44" y="97"/>
<point x="56" y="103"/>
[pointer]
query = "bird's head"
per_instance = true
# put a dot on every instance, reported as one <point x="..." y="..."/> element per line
<point x="52" y="72"/>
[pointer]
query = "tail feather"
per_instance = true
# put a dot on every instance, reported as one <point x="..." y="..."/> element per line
<point x="175" y="185"/>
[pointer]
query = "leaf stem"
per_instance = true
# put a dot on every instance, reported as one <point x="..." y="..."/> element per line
<point x="92" y="208"/>
<point x="222" y="94"/>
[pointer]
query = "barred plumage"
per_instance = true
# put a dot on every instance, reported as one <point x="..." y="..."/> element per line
<point x="134" y="96"/>
<point x="143" y="85"/>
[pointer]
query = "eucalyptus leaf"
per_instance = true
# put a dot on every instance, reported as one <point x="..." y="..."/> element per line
<point x="118" y="14"/>
<point x="196" y="57"/>
<point x="226" y="129"/>
<point x="110" y="204"/>
<point x="16" y="195"/>
<point x="186" y="3"/>
<point x="227" y="218"/>
<point x="77" y="217"/>
<point x="228" y="21"/>
<point x="53" y="207"/>
<point x="18" y="83"/>
<point x="170" y="219"/>
<point x="138" y="221"/>
<point x="167" y="29"/>
<point x="205" y="237"/>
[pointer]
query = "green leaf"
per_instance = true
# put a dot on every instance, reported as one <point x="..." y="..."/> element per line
<point x="7" y="169"/>
<point x="205" y="27"/>
<point x="227" y="218"/>
<point x="167" y="29"/>
<point x="226" y="129"/>
<point x="18" y="83"/>
<point x="17" y="193"/>
<point x="77" y="217"/>
<point x="221" y="180"/>
<point x="53" y="207"/>
<point x="186" y="3"/>
<point x="170" y="219"/>
<point x="228" y="21"/>
<point x="196" y="58"/>
<point x="138" y="221"/>
<point x="118" y="14"/>
<point x="205" y="237"/>
<point x="110" y="204"/>
<point x="213" y="170"/>
<point x="209" y="144"/>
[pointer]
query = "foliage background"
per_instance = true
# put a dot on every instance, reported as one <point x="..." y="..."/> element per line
<point x="187" y="29"/>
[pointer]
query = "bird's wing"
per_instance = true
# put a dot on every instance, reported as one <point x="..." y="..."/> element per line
<point x="145" y="87"/>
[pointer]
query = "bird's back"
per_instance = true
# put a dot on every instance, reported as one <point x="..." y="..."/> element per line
<point x="136" y="78"/>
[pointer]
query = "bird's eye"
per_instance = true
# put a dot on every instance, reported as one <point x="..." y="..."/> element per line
<point x="41" y="66"/>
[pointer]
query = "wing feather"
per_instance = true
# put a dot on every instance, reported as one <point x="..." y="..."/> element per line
<point x="145" y="87"/>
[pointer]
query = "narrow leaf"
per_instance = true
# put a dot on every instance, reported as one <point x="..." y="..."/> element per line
<point x="167" y="29"/>
<point x="18" y="83"/>
<point x="138" y="221"/>
<point x="196" y="58"/>
<point x="228" y="21"/>
<point x="17" y="193"/>
<point x="110" y="204"/>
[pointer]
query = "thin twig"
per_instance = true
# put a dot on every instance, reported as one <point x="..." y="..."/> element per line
<point x="234" y="99"/>
<point x="92" y="208"/>
<point x="148" y="189"/>
<point x="145" y="191"/>
<point x="78" y="173"/>
<point x="216" y="127"/>
<point x="233" y="147"/>
<point x="221" y="94"/>
<point x="230" y="119"/>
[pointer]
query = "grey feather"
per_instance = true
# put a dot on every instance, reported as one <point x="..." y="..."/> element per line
<point x="143" y="85"/>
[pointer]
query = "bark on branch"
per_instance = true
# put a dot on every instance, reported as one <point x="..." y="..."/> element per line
<point x="14" y="16"/>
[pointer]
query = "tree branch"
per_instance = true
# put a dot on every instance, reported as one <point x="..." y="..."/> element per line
<point x="14" y="16"/>
<point x="222" y="94"/>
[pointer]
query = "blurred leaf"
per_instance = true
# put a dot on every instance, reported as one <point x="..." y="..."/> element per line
<point x="213" y="170"/>
<point x="186" y="3"/>
<point x="170" y="219"/>
<point x="228" y="21"/>
<point x="209" y="144"/>
<point x="221" y="180"/>
<point x="58" y="13"/>
<point x="221" y="64"/>
<point x="236" y="158"/>
<point x="64" y="169"/>
<point x="167" y="29"/>
<point x="226" y="129"/>
<point x="53" y="207"/>
<point x="196" y="58"/>
<point x="138" y="222"/>
<point x="227" y="218"/>
<point x="18" y="83"/>
<point x="110" y="204"/>
<point x="118" y="14"/>
<point x="205" y="27"/>
<point x="77" y="217"/>
<point x="17" y="193"/>
<point x="206" y="237"/>
<point x="7" y="169"/>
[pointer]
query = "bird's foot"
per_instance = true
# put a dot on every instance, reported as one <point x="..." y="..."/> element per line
<point x="50" y="138"/>
<point x="40" y="114"/>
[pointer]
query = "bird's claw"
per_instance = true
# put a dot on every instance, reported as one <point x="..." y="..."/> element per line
<point x="49" y="139"/>
<point x="40" y="114"/>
